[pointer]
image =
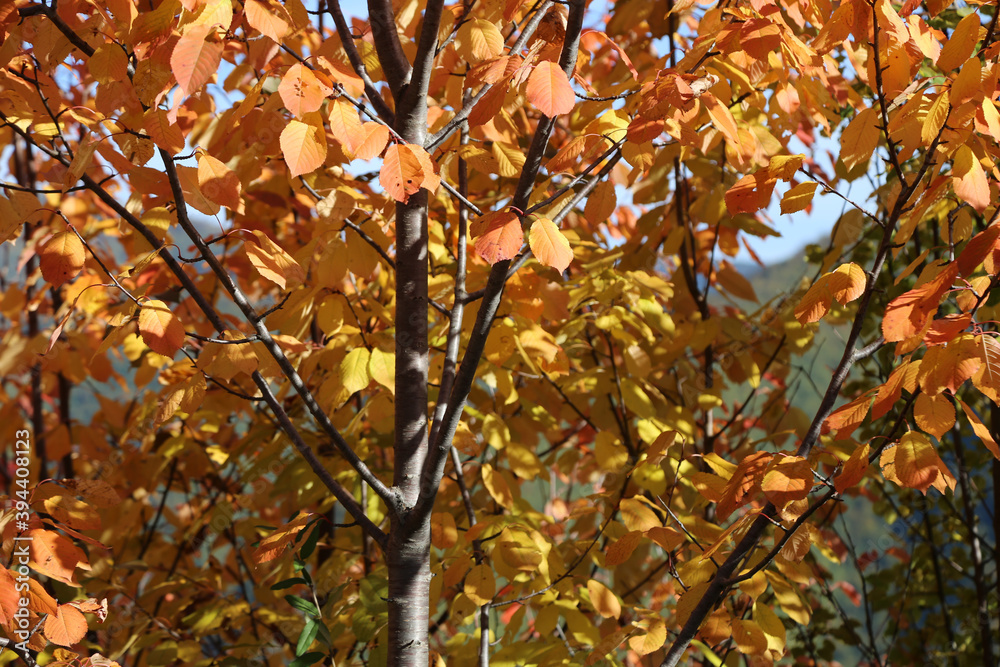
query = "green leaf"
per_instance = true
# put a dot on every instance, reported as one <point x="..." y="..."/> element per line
<point x="302" y="605"/>
<point x="307" y="659"/>
<point x="287" y="583"/>
<point x="310" y="544"/>
<point x="307" y="636"/>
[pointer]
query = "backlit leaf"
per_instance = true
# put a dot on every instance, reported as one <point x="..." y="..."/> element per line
<point x="301" y="91"/>
<point x="549" y="245"/>
<point x="160" y="329"/>
<point x="303" y="146"/>
<point x="549" y="90"/>
<point x="501" y="239"/>
<point x="195" y="58"/>
<point x="61" y="258"/>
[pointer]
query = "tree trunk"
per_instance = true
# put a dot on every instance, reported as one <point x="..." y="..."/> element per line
<point x="409" y="593"/>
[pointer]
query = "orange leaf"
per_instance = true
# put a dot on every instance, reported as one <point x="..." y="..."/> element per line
<point x="549" y="245"/>
<point x="301" y="91"/>
<point x="273" y="262"/>
<point x="916" y="462"/>
<point x="55" y="556"/>
<point x="907" y="314"/>
<point x="934" y="414"/>
<point x="160" y="329"/>
<point x="502" y="237"/>
<point x="549" y="89"/>
<point x="976" y="250"/>
<point x="266" y="18"/>
<point x="745" y="480"/>
<point x="402" y="174"/>
<point x="945" y="329"/>
<point x="889" y="392"/>
<point x="849" y="417"/>
<point x="969" y="180"/>
<point x="981" y="430"/>
<point x="345" y="125"/>
<point x="61" y="258"/>
<point x="303" y="146"/>
<point x="722" y="119"/>
<point x="195" y="58"/>
<point x="948" y="366"/>
<point x="218" y="182"/>
<point x="66" y="627"/>
<point x="735" y="282"/>
<point x="488" y="106"/>
<point x="751" y="193"/>
<point x="789" y="479"/>
<point x="859" y="139"/>
<point x="622" y="549"/>
<point x="164" y="134"/>
<point x="603" y="600"/>
<point x="372" y="140"/>
<point x="853" y="470"/>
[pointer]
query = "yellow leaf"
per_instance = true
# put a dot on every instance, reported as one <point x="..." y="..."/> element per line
<point x="916" y="461"/>
<point x="853" y="470"/>
<point x="722" y="118"/>
<point x="654" y="637"/>
<point x="603" y="600"/>
<point x="479" y="40"/>
<point x="637" y="515"/>
<point x="382" y="367"/>
<point x="480" y="585"/>
<point x="961" y="43"/>
<point x="354" y="370"/>
<point x="750" y="639"/>
<point x="798" y="197"/>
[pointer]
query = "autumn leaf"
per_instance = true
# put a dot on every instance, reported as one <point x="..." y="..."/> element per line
<point x="854" y="469"/>
<point x="934" y="414"/>
<point x="501" y="237"/>
<point x="622" y="548"/>
<point x="160" y="329"/>
<point x="917" y="464"/>
<point x="302" y="91"/>
<point x="354" y="372"/>
<point x="480" y="586"/>
<point x="66" y="627"/>
<point x="61" y="258"/>
<point x="798" y="198"/>
<point x="969" y="180"/>
<point x="549" y="90"/>
<point x="480" y="40"/>
<point x="303" y="146"/>
<point x="273" y="262"/>
<point x="789" y="478"/>
<point x="859" y="139"/>
<point x="604" y="601"/>
<point x="218" y="182"/>
<point x="55" y="556"/>
<point x="549" y="245"/>
<point x="371" y="141"/>
<point x="722" y="118"/>
<point x="401" y="174"/>
<point x="266" y="17"/>
<point x="195" y="58"/>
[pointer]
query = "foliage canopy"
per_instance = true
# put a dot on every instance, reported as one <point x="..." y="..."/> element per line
<point x="420" y="337"/>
